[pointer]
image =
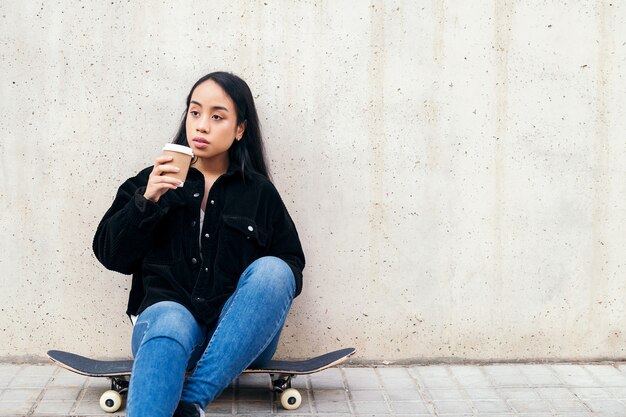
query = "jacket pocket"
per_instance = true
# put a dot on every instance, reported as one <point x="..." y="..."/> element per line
<point x="244" y="227"/>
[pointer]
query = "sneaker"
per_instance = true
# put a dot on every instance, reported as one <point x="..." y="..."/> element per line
<point x="186" y="409"/>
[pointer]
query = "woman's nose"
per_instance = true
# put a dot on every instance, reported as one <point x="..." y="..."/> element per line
<point x="203" y="125"/>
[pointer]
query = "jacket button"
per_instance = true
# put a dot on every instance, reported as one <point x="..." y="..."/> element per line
<point x="193" y="223"/>
<point x="194" y="261"/>
<point x="207" y="236"/>
<point x="250" y="228"/>
<point x="212" y="202"/>
<point x="206" y="269"/>
<point x="196" y="195"/>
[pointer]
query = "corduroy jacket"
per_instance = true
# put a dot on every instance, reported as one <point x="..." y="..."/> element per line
<point x="171" y="259"/>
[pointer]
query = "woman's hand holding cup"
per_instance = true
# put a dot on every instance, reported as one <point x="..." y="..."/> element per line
<point x="159" y="181"/>
<point x="169" y="172"/>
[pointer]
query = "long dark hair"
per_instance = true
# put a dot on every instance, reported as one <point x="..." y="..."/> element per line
<point x="249" y="152"/>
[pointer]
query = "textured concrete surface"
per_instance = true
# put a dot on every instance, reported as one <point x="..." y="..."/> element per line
<point x="455" y="169"/>
<point x="505" y="390"/>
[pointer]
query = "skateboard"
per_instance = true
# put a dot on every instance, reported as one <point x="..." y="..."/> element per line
<point x="118" y="372"/>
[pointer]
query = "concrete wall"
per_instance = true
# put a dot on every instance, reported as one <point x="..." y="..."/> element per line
<point x="455" y="168"/>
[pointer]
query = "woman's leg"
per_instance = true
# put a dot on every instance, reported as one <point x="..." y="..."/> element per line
<point x="249" y="323"/>
<point x="164" y="337"/>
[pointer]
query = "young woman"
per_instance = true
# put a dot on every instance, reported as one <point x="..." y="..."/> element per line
<point x="216" y="263"/>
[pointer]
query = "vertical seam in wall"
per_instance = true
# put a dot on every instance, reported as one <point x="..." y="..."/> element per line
<point x="376" y="140"/>
<point x="503" y="11"/>
<point x="601" y="188"/>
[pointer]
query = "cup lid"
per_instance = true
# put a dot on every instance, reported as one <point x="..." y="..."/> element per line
<point x="178" y="148"/>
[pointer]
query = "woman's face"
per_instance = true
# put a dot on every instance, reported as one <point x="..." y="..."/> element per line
<point x="211" y="124"/>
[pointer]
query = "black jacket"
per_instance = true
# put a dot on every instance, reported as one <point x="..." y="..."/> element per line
<point x="170" y="259"/>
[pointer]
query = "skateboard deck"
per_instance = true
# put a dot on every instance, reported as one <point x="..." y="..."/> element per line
<point x="118" y="371"/>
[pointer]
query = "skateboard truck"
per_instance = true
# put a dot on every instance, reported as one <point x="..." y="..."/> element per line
<point x="290" y="398"/>
<point x="111" y="400"/>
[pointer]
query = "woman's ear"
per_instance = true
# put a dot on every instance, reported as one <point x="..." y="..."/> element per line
<point x="240" y="129"/>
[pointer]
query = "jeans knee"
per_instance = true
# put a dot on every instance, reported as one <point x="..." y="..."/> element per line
<point x="167" y="320"/>
<point x="274" y="273"/>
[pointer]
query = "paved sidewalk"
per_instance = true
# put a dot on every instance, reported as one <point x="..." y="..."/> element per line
<point x="438" y="390"/>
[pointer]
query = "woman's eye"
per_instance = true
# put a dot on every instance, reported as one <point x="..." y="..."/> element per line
<point x="217" y="117"/>
<point x="194" y="113"/>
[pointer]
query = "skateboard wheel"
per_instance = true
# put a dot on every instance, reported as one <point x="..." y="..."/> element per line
<point x="111" y="401"/>
<point x="290" y="399"/>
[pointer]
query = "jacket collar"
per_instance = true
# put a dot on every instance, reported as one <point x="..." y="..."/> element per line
<point x="232" y="171"/>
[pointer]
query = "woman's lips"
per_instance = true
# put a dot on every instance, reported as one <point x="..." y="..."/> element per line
<point x="200" y="143"/>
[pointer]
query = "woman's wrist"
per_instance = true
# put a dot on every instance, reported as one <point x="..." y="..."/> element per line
<point x="154" y="199"/>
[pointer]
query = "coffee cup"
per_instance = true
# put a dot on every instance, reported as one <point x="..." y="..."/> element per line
<point x="182" y="159"/>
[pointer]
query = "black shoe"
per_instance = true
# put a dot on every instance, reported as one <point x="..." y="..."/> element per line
<point x="186" y="409"/>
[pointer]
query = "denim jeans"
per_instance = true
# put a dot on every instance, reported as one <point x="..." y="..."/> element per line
<point x="168" y="341"/>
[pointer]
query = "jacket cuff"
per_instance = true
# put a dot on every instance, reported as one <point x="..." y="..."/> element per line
<point x="143" y="211"/>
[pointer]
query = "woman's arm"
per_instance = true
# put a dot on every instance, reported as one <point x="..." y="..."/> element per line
<point x="124" y="233"/>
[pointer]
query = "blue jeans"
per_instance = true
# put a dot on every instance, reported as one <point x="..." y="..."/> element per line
<point x="168" y="341"/>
